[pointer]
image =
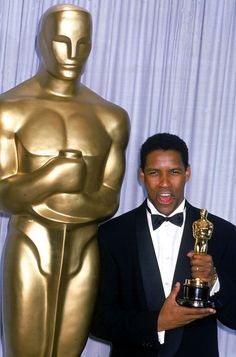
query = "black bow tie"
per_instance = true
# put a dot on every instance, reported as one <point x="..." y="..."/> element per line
<point x="157" y="219"/>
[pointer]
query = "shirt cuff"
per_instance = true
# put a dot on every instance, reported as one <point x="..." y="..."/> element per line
<point x="215" y="288"/>
<point x="161" y="337"/>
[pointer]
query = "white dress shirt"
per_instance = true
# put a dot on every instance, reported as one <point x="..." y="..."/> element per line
<point x="166" y="242"/>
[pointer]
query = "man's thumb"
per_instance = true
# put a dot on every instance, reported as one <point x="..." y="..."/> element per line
<point x="175" y="290"/>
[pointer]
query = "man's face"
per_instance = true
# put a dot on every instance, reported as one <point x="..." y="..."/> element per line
<point x="164" y="177"/>
<point x="66" y="44"/>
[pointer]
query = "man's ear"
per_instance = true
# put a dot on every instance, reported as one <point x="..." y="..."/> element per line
<point x="187" y="173"/>
<point x="141" y="175"/>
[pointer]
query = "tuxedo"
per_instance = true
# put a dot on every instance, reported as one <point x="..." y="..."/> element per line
<point x="131" y="293"/>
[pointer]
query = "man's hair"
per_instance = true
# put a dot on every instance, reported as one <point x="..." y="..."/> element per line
<point x="163" y="141"/>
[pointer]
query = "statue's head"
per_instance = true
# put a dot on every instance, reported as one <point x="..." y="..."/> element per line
<point x="64" y="40"/>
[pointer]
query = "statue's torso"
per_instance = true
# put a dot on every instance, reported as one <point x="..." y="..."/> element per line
<point x="44" y="127"/>
<point x="52" y="126"/>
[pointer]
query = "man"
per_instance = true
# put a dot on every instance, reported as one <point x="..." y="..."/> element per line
<point x="144" y="267"/>
<point x="61" y="165"/>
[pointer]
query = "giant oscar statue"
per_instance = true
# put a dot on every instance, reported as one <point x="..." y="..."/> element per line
<point x="61" y="166"/>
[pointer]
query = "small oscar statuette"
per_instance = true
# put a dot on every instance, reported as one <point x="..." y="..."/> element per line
<point x="197" y="291"/>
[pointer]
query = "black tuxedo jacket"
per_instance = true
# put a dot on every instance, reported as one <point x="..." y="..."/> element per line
<point x="131" y="292"/>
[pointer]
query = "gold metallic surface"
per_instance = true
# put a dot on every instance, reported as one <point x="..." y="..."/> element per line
<point x="61" y="166"/>
<point x="202" y="232"/>
<point x="196" y="290"/>
<point x="196" y="282"/>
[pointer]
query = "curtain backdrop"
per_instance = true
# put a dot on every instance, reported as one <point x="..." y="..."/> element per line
<point x="172" y="65"/>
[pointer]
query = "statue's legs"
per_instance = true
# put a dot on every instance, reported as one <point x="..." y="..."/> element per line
<point x="24" y="298"/>
<point x="49" y="288"/>
<point x="79" y="297"/>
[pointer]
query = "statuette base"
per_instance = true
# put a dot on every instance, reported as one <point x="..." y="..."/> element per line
<point x="196" y="294"/>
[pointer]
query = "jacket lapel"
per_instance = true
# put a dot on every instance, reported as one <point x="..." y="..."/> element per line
<point x="150" y="272"/>
<point x="182" y="272"/>
<point x="183" y="268"/>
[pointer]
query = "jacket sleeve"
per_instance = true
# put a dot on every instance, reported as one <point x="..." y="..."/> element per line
<point x="225" y="298"/>
<point x="114" y="321"/>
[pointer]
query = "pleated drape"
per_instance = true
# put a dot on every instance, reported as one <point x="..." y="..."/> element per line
<point x="172" y="65"/>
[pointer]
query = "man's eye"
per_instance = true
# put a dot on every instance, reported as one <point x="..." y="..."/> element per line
<point x="153" y="173"/>
<point x="175" y="172"/>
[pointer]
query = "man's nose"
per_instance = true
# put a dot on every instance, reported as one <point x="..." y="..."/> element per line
<point x="164" y="180"/>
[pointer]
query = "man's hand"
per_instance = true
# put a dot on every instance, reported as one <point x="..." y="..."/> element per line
<point x="173" y="315"/>
<point x="202" y="267"/>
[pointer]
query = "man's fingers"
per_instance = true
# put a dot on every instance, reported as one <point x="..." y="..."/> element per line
<point x="190" y="254"/>
<point x="196" y="312"/>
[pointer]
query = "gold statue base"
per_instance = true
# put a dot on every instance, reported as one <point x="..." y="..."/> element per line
<point x="196" y="294"/>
